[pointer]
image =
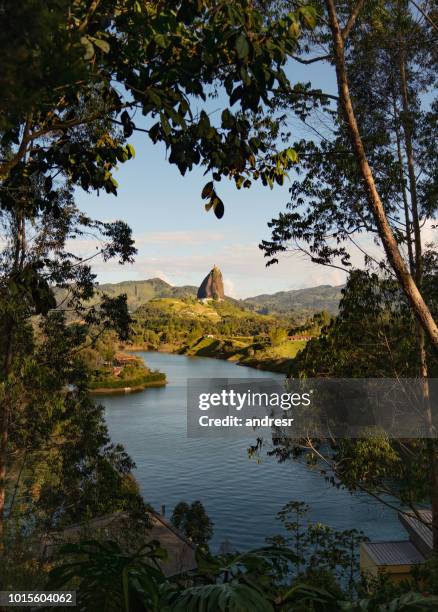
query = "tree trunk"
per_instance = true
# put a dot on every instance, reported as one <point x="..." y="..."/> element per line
<point x="411" y="170"/>
<point x="389" y="242"/>
<point x="405" y="198"/>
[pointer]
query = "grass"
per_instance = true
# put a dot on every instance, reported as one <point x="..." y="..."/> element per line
<point x="191" y="310"/>
<point x="286" y="350"/>
<point x="118" y="383"/>
<point x="275" y="358"/>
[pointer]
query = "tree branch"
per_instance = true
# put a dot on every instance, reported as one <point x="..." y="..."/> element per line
<point x="312" y="60"/>
<point x="91" y="11"/>
<point x="425" y="15"/>
<point x="352" y="19"/>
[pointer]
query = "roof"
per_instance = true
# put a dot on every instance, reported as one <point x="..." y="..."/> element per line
<point x="181" y="552"/>
<point x="124" y="357"/>
<point x="420" y="533"/>
<point x="393" y="553"/>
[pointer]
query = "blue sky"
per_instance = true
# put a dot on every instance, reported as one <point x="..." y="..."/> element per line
<point x="179" y="241"/>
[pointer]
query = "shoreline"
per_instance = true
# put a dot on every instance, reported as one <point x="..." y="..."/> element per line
<point x="123" y="390"/>
<point x="254" y="364"/>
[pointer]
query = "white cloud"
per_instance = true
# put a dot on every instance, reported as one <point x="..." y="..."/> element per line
<point x="229" y="288"/>
<point x="162" y="275"/>
<point x="429" y="234"/>
<point x="177" y="238"/>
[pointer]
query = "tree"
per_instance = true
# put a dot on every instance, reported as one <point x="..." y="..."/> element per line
<point x="194" y="522"/>
<point x="372" y="337"/>
<point x="277" y="336"/>
<point x="166" y="58"/>
<point x="57" y="461"/>
<point x="384" y="229"/>
<point x="39" y="343"/>
<point x="377" y="24"/>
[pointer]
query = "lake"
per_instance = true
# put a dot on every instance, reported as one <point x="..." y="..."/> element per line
<point x="240" y="495"/>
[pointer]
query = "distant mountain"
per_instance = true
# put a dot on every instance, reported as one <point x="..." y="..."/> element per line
<point x="142" y="291"/>
<point x="302" y="301"/>
<point x="313" y="299"/>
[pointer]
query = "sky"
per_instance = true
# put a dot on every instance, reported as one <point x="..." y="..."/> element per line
<point x="179" y="242"/>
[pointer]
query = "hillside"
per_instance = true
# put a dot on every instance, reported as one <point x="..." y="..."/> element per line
<point x="304" y="301"/>
<point x="142" y="291"/>
<point x="217" y="328"/>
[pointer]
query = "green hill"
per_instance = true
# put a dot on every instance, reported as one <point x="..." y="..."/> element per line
<point x="303" y="301"/>
<point x="142" y="291"/>
<point x="222" y="329"/>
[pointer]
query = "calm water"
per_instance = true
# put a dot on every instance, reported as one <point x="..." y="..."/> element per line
<point x="241" y="496"/>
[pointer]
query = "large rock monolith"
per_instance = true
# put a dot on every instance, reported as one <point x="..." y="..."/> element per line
<point x="212" y="287"/>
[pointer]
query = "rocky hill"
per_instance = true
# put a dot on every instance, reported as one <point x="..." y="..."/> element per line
<point x="212" y="287"/>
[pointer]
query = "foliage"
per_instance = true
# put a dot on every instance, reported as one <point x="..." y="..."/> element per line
<point x="323" y="556"/>
<point x="372" y="337"/>
<point x="277" y="336"/>
<point x="373" y="334"/>
<point x="103" y="573"/>
<point x="329" y="204"/>
<point x="220" y="329"/>
<point x="163" y="61"/>
<point x="194" y="522"/>
<point x="144" y="380"/>
<point x="110" y="579"/>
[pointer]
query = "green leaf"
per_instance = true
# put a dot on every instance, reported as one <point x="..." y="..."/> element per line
<point x="103" y="45"/>
<point x="207" y="191"/>
<point x="88" y="46"/>
<point x="218" y="207"/>
<point x="242" y="47"/>
<point x="308" y="15"/>
<point x="131" y="151"/>
<point x="228" y="597"/>
<point x="165" y="124"/>
<point x="227" y="119"/>
<point x="161" y="40"/>
<point x="292" y="155"/>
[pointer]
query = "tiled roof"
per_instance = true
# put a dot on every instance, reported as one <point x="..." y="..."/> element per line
<point x="393" y="553"/>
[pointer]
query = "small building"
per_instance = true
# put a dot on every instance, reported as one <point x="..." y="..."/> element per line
<point x="396" y="559"/>
<point x="181" y="551"/>
<point x="121" y="359"/>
